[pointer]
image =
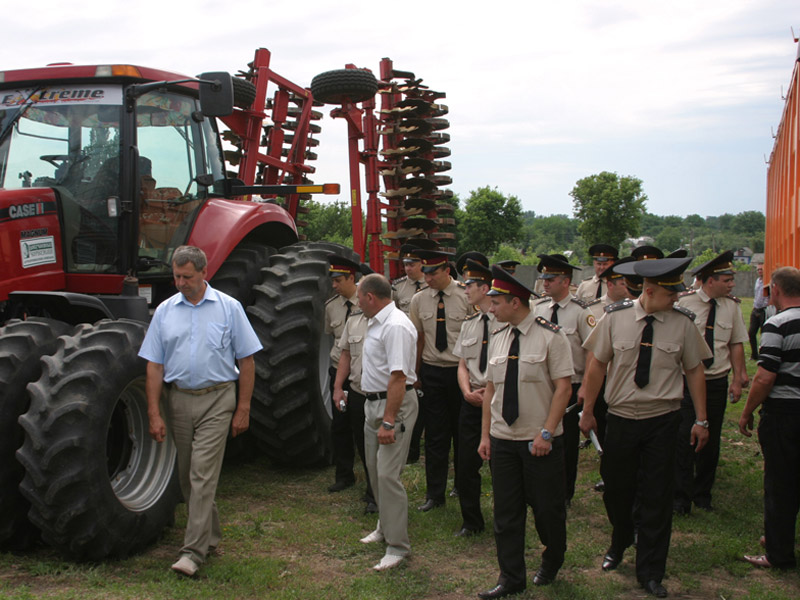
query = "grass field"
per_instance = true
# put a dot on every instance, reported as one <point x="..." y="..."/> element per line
<point x="286" y="537"/>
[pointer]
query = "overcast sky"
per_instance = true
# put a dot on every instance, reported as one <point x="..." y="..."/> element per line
<point x="680" y="94"/>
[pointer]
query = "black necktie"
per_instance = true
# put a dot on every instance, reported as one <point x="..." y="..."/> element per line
<point x="712" y="315"/>
<point x="416" y="285"/>
<point x="599" y="288"/>
<point x="642" y="377"/>
<point x="484" y="343"/>
<point x="349" y="306"/>
<point x="554" y="316"/>
<point x="510" y="386"/>
<point x="441" y="326"/>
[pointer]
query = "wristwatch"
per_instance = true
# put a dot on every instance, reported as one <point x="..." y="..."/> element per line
<point x="702" y="423"/>
<point x="388" y="426"/>
<point x="546" y="435"/>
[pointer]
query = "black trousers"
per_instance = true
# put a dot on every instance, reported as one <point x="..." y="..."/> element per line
<point x="780" y="444"/>
<point x="441" y="413"/>
<point x="600" y="413"/>
<point x="695" y="471"/>
<point x="347" y="435"/>
<point x="572" y="437"/>
<point x="757" y="318"/>
<point x="519" y="480"/>
<point x="468" y="473"/>
<point x="638" y="464"/>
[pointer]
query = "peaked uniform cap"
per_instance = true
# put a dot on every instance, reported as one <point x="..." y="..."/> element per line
<point x="475" y="271"/>
<point x="340" y="266"/>
<point x="603" y="252"/>
<point x="647" y="253"/>
<point x="473" y="255"/>
<point x="509" y="265"/>
<point x="433" y="259"/>
<point x="551" y="265"/>
<point x="666" y="272"/>
<point x="719" y="265"/>
<point x="504" y="282"/>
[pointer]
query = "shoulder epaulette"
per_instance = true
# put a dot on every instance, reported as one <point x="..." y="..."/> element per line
<point x="501" y="328"/>
<point x="472" y="316"/>
<point x="687" y="293"/>
<point x="619" y="305"/>
<point x="461" y="284"/>
<point x="593" y="302"/>
<point x="547" y="324"/>
<point x="535" y="295"/>
<point x="399" y="279"/>
<point x="543" y="300"/>
<point x="734" y="298"/>
<point x="356" y="312"/>
<point x="684" y="311"/>
<point x="331" y="299"/>
<point x="579" y="302"/>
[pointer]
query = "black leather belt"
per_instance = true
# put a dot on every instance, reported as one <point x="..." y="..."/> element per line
<point x="382" y="395"/>
<point x="205" y="390"/>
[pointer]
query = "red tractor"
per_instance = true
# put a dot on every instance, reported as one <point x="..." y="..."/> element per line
<point x="104" y="171"/>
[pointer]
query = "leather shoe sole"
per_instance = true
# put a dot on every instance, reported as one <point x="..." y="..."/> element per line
<point x="500" y="591"/>
<point x="758" y="561"/>
<point x="430" y="504"/>
<point x="655" y="588"/>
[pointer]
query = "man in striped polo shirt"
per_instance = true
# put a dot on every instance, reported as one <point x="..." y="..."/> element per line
<point x="776" y="386"/>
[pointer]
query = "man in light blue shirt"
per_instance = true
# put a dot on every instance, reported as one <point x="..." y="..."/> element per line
<point x="759" y="313"/>
<point x="194" y="341"/>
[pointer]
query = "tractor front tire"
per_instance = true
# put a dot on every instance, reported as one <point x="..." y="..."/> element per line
<point x="99" y="485"/>
<point x="290" y="412"/>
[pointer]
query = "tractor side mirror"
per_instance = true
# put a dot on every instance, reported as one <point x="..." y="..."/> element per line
<point x="216" y="94"/>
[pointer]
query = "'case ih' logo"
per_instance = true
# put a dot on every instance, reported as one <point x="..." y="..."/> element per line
<point x="29" y="209"/>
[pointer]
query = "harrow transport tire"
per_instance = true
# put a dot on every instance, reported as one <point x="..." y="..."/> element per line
<point x="244" y="92"/>
<point x="22" y="343"/>
<point x="335" y="87"/>
<point x="290" y="414"/>
<point x="98" y="484"/>
<point x="236" y="277"/>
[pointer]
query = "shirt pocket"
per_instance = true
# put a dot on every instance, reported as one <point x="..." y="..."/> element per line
<point x="497" y="369"/>
<point x="625" y="352"/>
<point x="722" y="332"/>
<point x="666" y="354"/>
<point x="218" y="336"/>
<point x="356" y="343"/>
<point x="470" y="347"/>
<point x="532" y="367"/>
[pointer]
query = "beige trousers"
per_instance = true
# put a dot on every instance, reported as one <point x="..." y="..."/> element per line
<point x="385" y="464"/>
<point x="199" y="426"/>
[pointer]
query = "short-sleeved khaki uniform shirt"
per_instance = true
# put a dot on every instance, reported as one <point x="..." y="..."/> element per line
<point x="335" y="318"/>
<point x="616" y="340"/>
<point x="404" y="289"/>
<point x="587" y="290"/>
<point x="728" y="327"/>
<point x="423" y="311"/>
<point x="544" y="356"/>
<point x="576" y="321"/>
<point x="352" y="340"/>
<point x="469" y="344"/>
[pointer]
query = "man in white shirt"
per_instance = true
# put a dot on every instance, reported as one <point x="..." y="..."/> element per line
<point x="387" y="379"/>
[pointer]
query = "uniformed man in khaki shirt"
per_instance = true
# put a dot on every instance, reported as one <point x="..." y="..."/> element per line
<point x="718" y="318"/>
<point x="643" y="346"/>
<point x="472" y="348"/>
<point x="527" y="390"/>
<point x="347" y="427"/>
<point x="413" y="281"/>
<point x="437" y="314"/>
<point x="602" y="257"/>
<point x="576" y="321"/>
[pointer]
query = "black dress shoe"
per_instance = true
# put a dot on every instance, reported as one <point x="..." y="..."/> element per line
<point x="611" y="560"/>
<point x="466" y="532"/>
<point x="454" y="493"/>
<point x="600" y="486"/>
<point x="429" y="504"/>
<point x="681" y="510"/>
<point x="500" y="591"/>
<point x="370" y="508"/>
<point x="706" y="506"/>
<point x="340" y="485"/>
<point x="544" y="577"/>
<point x="655" y="588"/>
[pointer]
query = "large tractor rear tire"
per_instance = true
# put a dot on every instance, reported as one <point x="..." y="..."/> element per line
<point x="290" y="414"/>
<point x="22" y="343"/>
<point x="237" y="277"/>
<point x="342" y="85"/>
<point x="98" y="484"/>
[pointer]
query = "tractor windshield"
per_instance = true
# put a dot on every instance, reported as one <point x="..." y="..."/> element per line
<point x="67" y="138"/>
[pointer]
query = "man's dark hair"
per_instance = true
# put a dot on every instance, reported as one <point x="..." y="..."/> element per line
<point x="190" y="254"/>
<point x="788" y="279"/>
<point x="377" y="285"/>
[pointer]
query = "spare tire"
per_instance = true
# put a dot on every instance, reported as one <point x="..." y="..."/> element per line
<point x="22" y="343"/>
<point x="290" y="413"/>
<point x="244" y="92"/>
<point x="343" y="85"/>
<point x="98" y="484"/>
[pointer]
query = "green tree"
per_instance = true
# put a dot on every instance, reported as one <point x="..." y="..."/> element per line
<point x="609" y="207"/>
<point x="489" y="218"/>
<point x="669" y="239"/>
<point x="329" y="222"/>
